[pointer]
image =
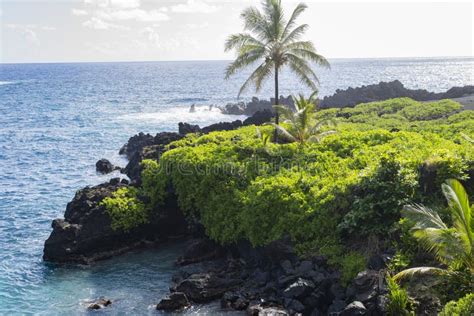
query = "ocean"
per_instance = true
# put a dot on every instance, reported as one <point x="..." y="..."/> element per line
<point x="57" y="120"/>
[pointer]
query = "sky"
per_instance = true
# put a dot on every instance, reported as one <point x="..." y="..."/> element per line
<point x="144" y="30"/>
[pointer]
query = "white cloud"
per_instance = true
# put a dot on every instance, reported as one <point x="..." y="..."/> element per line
<point x="98" y="24"/>
<point x="122" y="4"/>
<point x="79" y="12"/>
<point x="194" y="6"/>
<point x="28" y="32"/>
<point x="134" y="14"/>
<point x="125" y="4"/>
<point x="151" y="35"/>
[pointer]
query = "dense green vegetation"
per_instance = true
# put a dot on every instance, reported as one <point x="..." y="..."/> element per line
<point x="341" y="197"/>
<point x="125" y="209"/>
<point x="462" y="307"/>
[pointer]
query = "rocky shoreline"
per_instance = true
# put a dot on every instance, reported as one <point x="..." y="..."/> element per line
<point x="353" y="96"/>
<point x="271" y="280"/>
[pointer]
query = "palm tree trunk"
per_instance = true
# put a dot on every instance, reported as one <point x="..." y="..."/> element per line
<point x="277" y="115"/>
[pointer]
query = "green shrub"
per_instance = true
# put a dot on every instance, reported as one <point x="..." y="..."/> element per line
<point x="125" y="209"/>
<point x="430" y="111"/>
<point x="351" y="264"/>
<point x="398" y="300"/>
<point x="462" y="307"/>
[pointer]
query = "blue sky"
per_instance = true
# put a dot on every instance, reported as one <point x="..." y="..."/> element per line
<point x="136" y="30"/>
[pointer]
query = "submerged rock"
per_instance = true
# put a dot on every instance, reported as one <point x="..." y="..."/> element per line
<point x="99" y="304"/>
<point x="174" y="301"/>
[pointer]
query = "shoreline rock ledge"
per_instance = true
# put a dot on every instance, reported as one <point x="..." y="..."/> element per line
<point x="352" y="96"/>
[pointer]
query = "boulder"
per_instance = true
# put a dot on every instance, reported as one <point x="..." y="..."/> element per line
<point x="174" y="301"/>
<point x="354" y="309"/>
<point x="99" y="304"/>
<point x="367" y="287"/>
<point x="299" y="288"/>
<point x="205" y="287"/>
<point x="104" y="166"/>
<point x="198" y="250"/>
<point x="264" y="310"/>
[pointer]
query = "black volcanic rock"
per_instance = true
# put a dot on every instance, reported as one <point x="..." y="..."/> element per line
<point x="255" y="105"/>
<point x="259" y="118"/>
<point x="174" y="301"/>
<point x="104" y="166"/>
<point x="186" y="128"/>
<point x="388" y="90"/>
<point x="145" y="146"/>
<point x="85" y="234"/>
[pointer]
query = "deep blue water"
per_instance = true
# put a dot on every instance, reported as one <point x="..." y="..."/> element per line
<point x="57" y="120"/>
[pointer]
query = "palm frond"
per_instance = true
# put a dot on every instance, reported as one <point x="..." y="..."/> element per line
<point x="301" y="68"/>
<point x="236" y="41"/>
<point x="458" y="202"/>
<point x="317" y="138"/>
<point x="292" y="20"/>
<point x="255" y="22"/>
<point x="257" y="77"/>
<point x="282" y="131"/>
<point x="424" y="217"/>
<point x="409" y="273"/>
<point x="249" y="56"/>
<point x="295" y="34"/>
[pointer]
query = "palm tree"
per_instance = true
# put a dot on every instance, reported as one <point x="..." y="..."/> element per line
<point x="303" y="124"/>
<point x="275" y="42"/>
<point x="452" y="246"/>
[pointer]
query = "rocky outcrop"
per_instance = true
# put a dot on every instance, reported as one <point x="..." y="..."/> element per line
<point x="85" y="234"/>
<point x="388" y="90"/>
<point x="255" y="105"/>
<point x="145" y="146"/>
<point x="269" y="279"/>
<point x="104" y="166"/>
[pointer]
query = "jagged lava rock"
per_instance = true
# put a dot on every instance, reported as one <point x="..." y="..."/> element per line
<point x="85" y="234"/>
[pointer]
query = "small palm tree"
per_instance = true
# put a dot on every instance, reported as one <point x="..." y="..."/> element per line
<point x="303" y="124"/>
<point x="275" y="42"/>
<point x="452" y="246"/>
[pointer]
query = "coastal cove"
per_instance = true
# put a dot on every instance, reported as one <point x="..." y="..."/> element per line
<point x="59" y="119"/>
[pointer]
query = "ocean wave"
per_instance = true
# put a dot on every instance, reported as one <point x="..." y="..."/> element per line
<point x="188" y="100"/>
<point x="7" y="82"/>
<point x="3" y="83"/>
<point x="202" y="115"/>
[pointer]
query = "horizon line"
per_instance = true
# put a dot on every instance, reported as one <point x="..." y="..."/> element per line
<point x="216" y="60"/>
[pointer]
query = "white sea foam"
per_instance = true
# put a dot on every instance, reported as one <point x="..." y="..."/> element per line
<point x="201" y="115"/>
<point x="7" y="82"/>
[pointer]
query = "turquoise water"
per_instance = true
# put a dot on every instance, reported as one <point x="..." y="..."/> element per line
<point x="57" y="120"/>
